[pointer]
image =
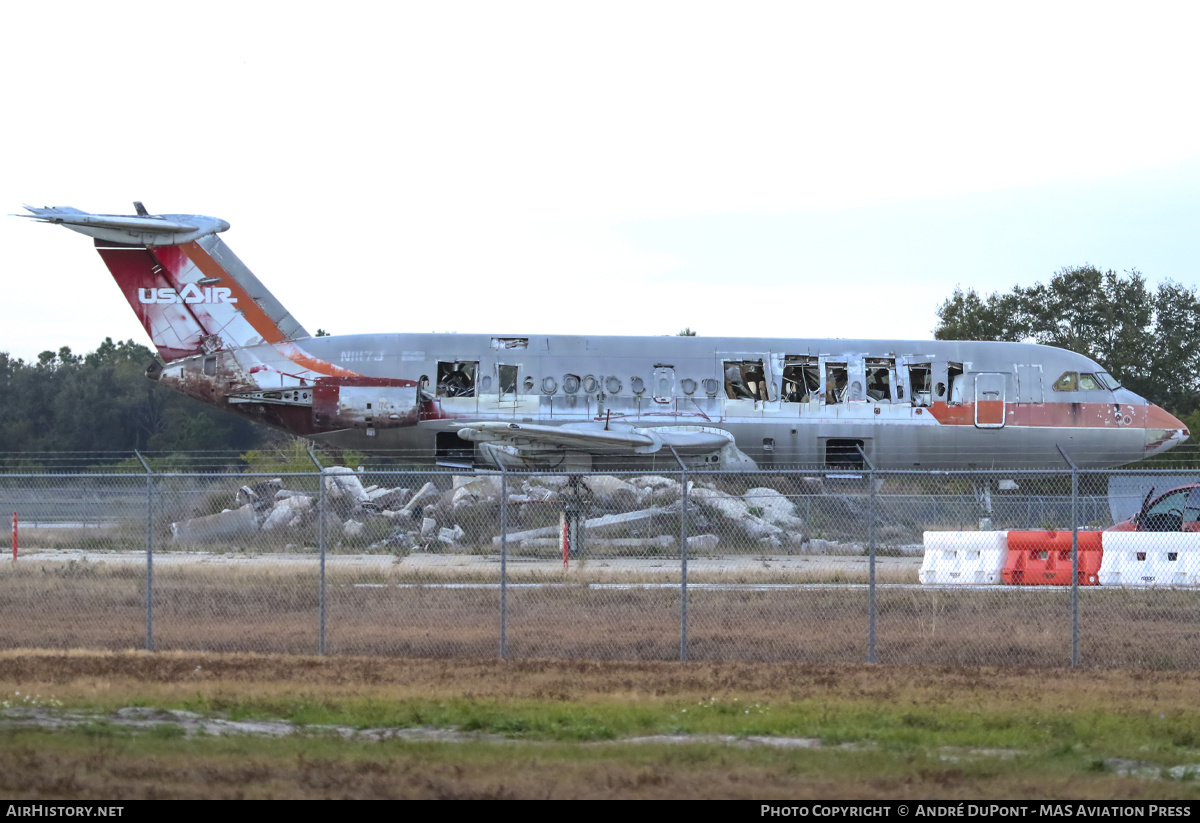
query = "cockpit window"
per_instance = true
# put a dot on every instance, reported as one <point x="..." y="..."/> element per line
<point x="1107" y="380"/>
<point x="1068" y="382"/>
<point x="1088" y="382"/>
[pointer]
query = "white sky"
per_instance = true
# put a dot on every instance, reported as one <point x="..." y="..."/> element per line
<point x="793" y="169"/>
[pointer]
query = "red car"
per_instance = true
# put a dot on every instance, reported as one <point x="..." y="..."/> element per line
<point x="1177" y="510"/>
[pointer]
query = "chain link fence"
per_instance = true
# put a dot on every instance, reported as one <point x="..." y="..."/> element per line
<point x="815" y="566"/>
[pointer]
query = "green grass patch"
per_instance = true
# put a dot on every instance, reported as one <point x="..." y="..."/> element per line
<point x="1167" y="738"/>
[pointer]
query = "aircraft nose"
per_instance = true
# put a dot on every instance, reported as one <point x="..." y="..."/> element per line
<point x="1163" y="430"/>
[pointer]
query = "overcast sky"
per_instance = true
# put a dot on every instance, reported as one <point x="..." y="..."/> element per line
<point x="792" y="170"/>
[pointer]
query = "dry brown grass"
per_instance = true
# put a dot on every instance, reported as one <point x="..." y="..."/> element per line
<point x="264" y="609"/>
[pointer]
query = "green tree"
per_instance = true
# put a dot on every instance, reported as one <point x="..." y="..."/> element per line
<point x="102" y="401"/>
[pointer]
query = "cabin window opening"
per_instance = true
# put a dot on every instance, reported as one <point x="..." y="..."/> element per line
<point x="449" y="446"/>
<point x="745" y="380"/>
<point x="843" y="454"/>
<point x="801" y="379"/>
<point x="570" y="383"/>
<point x="837" y="383"/>
<point x="210" y="367"/>
<point x="954" y="373"/>
<point x="507" y="377"/>
<point x="880" y="379"/>
<point x="456" y="379"/>
<point x="1069" y="381"/>
<point x="504" y="343"/>
<point x="920" y="381"/>
<point x="1088" y="382"/>
<point x="1107" y="380"/>
<point x="528" y="385"/>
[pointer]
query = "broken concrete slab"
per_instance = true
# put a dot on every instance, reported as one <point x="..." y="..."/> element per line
<point x="389" y="498"/>
<point x="426" y="494"/>
<point x="596" y="525"/>
<point x="286" y="510"/>
<point x="342" y="483"/>
<point x="229" y="523"/>
<point x="736" y="510"/>
<point x="612" y="492"/>
<point x="452" y="536"/>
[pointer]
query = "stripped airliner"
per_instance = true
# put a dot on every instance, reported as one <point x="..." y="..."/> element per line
<point x="571" y="402"/>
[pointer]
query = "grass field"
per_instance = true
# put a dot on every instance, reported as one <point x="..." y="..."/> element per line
<point x="588" y="729"/>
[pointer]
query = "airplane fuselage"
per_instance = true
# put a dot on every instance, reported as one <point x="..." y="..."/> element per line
<point x="941" y="404"/>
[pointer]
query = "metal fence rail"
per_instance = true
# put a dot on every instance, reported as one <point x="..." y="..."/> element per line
<point x="805" y="566"/>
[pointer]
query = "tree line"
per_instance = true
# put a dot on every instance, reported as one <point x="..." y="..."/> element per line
<point x="102" y="401"/>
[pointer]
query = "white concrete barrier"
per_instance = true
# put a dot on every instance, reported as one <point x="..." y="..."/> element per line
<point x="1150" y="559"/>
<point x="973" y="558"/>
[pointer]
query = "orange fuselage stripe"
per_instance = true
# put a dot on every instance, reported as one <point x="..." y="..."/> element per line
<point x="257" y="318"/>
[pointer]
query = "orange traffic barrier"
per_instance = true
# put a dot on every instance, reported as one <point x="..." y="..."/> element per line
<point x="1044" y="558"/>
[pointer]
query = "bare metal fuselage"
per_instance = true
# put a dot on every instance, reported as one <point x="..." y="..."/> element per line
<point x="679" y="381"/>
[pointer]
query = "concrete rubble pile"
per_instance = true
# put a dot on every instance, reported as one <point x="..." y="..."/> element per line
<point x="640" y="513"/>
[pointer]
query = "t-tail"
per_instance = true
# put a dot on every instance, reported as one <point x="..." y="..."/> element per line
<point x="190" y="291"/>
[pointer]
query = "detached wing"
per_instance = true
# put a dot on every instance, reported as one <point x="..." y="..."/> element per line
<point x="597" y="438"/>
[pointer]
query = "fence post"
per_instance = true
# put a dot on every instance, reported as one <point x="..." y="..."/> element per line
<point x="683" y="556"/>
<point x="871" y="604"/>
<point x="1074" y="557"/>
<point x="149" y="552"/>
<point x="321" y="543"/>
<point x="503" y="560"/>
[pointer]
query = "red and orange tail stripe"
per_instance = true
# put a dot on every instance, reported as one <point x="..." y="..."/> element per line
<point x="257" y="318"/>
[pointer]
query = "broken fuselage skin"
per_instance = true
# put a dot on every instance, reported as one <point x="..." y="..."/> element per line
<point x="576" y="402"/>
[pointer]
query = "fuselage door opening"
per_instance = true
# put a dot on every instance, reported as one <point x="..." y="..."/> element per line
<point x="664" y="384"/>
<point x="1029" y="384"/>
<point x="452" y="450"/>
<point x="844" y="453"/>
<point x="989" y="400"/>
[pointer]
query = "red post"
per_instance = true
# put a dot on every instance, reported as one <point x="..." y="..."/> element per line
<point x="14" y="537"/>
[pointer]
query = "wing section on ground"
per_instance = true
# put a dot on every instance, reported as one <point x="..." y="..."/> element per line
<point x="529" y="439"/>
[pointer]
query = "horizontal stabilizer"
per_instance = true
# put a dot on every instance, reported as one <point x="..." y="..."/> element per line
<point x="148" y="230"/>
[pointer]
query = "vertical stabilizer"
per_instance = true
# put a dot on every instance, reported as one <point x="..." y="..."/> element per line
<point x="189" y="290"/>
